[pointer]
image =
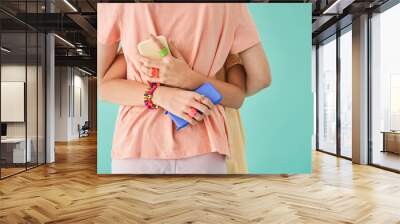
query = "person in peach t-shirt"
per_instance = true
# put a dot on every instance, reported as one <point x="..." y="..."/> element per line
<point x="145" y="141"/>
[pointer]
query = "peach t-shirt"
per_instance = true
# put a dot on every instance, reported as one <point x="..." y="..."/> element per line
<point x="205" y="34"/>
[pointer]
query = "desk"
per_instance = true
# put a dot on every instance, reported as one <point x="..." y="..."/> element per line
<point x="391" y="141"/>
<point x="15" y="148"/>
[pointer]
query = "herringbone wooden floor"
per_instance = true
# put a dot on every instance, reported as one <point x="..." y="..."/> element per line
<point x="70" y="191"/>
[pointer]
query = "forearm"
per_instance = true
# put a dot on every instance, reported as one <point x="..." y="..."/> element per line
<point x="105" y="57"/>
<point x="232" y="96"/>
<point x="130" y="92"/>
<point x="114" y="86"/>
<point x="236" y="75"/>
<point x="122" y="91"/>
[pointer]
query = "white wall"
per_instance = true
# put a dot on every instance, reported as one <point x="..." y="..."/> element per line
<point x="79" y="117"/>
<point x="33" y="127"/>
<point x="12" y="101"/>
<point x="16" y="73"/>
<point x="62" y="81"/>
<point x="70" y="83"/>
<point x="12" y="73"/>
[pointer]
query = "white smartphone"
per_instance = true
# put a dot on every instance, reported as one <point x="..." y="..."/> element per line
<point x="150" y="49"/>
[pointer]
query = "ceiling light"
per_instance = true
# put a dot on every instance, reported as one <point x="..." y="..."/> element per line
<point x="5" y="50"/>
<point x="70" y="5"/>
<point x="84" y="71"/>
<point x="64" y="40"/>
<point x="337" y="7"/>
<point x="80" y="51"/>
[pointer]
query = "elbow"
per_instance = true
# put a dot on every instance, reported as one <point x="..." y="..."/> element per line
<point x="265" y="82"/>
<point x="240" y="99"/>
<point x="238" y="105"/>
<point x="259" y="85"/>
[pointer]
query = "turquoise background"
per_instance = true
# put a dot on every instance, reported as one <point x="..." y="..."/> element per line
<point x="278" y="121"/>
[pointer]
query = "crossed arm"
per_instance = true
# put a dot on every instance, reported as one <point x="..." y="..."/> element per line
<point x="176" y="95"/>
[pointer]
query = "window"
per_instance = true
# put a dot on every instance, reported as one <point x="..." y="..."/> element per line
<point x="327" y="96"/>
<point x="385" y="89"/>
<point x="346" y="93"/>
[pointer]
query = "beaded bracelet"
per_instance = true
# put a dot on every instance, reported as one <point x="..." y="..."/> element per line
<point x="148" y="95"/>
<point x="152" y="86"/>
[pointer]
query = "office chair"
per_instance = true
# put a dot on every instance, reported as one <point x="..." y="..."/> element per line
<point x="84" y="130"/>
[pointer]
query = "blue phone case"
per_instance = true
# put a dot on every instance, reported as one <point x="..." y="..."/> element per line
<point x="207" y="90"/>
